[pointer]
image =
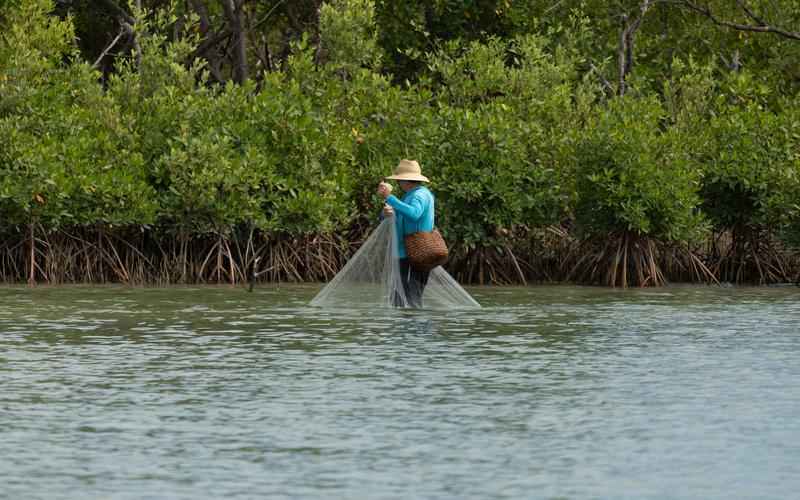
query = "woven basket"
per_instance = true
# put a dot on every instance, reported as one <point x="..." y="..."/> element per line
<point x="426" y="250"/>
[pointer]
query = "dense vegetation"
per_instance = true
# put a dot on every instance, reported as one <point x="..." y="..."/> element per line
<point x="619" y="143"/>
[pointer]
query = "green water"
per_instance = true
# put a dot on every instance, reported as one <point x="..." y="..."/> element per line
<point x="547" y="392"/>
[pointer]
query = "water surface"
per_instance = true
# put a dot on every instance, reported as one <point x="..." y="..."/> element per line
<point x="547" y="392"/>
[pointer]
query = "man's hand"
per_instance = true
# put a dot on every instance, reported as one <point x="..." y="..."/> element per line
<point x="384" y="190"/>
<point x="388" y="211"/>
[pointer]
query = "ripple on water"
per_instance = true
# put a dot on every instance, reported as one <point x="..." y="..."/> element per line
<point x="686" y="392"/>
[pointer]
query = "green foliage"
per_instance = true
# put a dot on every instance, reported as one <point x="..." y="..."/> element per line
<point x="633" y="177"/>
<point x="305" y="157"/>
<point x="691" y="95"/>
<point x="504" y="105"/>
<point x="409" y="29"/>
<point x="227" y="156"/>
<point x="751" y="169"/>
<point x="209" y="183"/>
<point x="348" y="34"/>
<point x="498" y="146"/>
<point x="67" y="157"/>
<point x="490" y="179"/>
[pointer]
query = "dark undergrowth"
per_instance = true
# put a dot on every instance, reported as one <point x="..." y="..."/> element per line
<point x="550" y="255"/>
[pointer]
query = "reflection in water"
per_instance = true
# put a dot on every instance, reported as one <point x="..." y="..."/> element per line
<point x="546" y="392"/>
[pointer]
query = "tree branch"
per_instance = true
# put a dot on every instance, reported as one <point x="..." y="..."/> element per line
<point x="268" y="15"/>
<point x="204" y="48"/>
<point x="750" y="13"/>
<point x="206" y="44"/>
<point x="122" y="31"/>
<point x="118" y="11"/>
<point x="137" y="49"/>
<point x="202" y="12"/>
<point x="759" y="28"/>
<point x="602" y="78"/>
<point x="127" y="22"/>
<point x="625" y="51"/>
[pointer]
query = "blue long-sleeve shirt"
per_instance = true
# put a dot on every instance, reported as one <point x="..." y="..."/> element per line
<point x="415" y="212"/>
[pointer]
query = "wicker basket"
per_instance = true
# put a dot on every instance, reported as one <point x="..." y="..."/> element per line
<point x="426" y="250"/>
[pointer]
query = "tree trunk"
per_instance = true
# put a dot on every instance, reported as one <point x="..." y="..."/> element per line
<point x="235" y="15"/>
<point x="625" y="50"/>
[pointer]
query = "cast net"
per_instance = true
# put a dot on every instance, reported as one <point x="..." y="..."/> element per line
<point x="372" y="278"/>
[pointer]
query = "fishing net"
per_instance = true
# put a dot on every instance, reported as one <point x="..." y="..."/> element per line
<point x="372" y="278"/>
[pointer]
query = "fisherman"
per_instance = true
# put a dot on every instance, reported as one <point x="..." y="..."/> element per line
<point x="415" y="212"/>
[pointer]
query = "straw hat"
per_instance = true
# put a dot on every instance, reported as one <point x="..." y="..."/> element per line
<point x="408" y="170"/>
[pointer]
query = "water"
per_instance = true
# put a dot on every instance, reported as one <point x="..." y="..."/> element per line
<point x="547" y="392"/>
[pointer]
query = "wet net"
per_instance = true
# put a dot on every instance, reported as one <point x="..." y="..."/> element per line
<point x="373" y="278"/>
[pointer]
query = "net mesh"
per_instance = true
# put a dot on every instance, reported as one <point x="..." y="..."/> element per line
<point x="372" y="278"/>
